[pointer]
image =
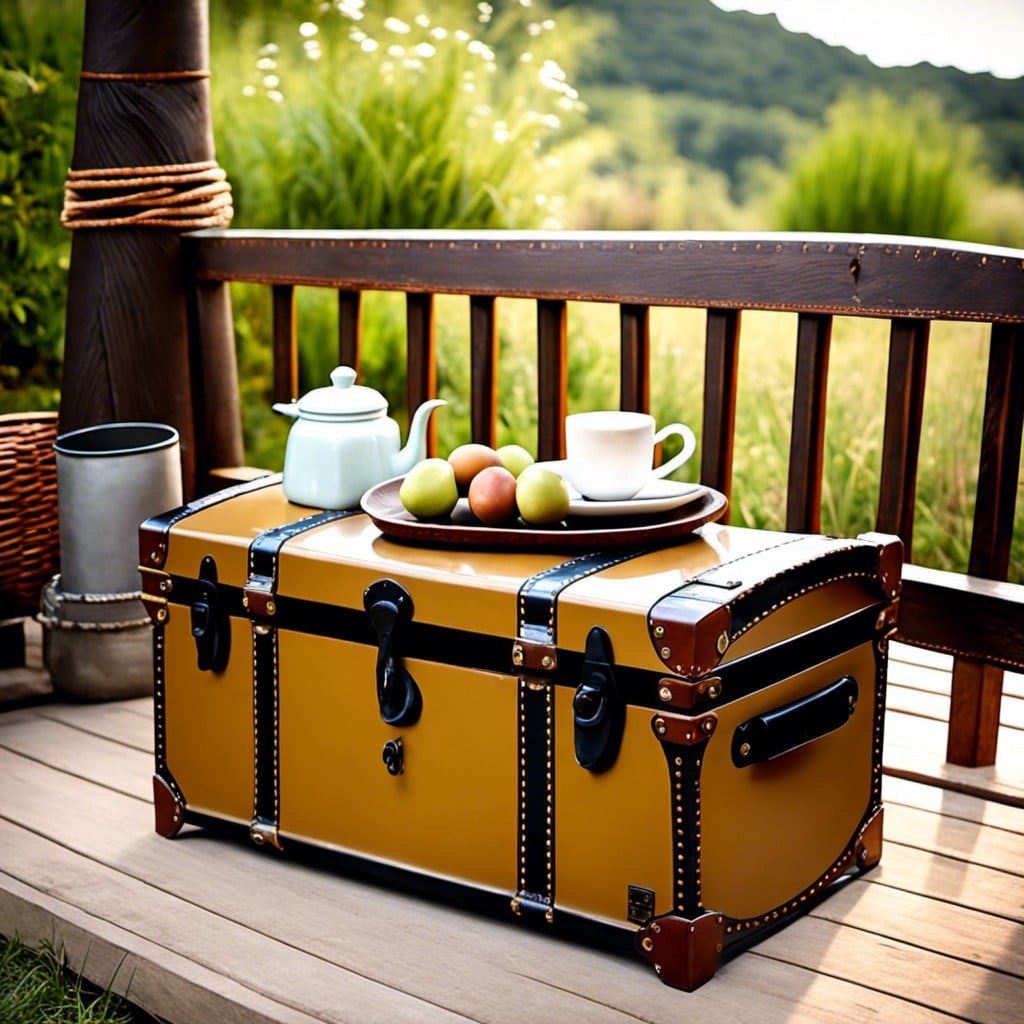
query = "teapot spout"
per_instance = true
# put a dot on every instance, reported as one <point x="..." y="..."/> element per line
<point x="416" y="446"/>
<point x="287" y="409"/>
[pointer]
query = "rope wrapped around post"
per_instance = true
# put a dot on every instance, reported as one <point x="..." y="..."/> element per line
<point x="184" y="196"/>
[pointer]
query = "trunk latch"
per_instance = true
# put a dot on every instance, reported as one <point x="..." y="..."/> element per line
<point x="599" y="715"/>
<point x="210" y="622"/>
<point x="398" y="697"/>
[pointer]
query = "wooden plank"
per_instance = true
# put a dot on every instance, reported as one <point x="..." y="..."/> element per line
<point x="988" y="940"/>
<point x="915" y="749"/>
<point x="635" y="358"/>
<point x="483" y="370"/>
<point x="552" y="363"/>
<point x="901" y="443"/>
<point x="961" y="840"/>
<point x="116" y="720"/>
<point x="350" y="328"/>
<point x="942" y="983"/>
<point x="169" y="985"/>
<point x="81" y="754"/>
<point x="721" y="377"/>
<point x="807" y="440"/>
<point x="252" y="959"/>
<point x="421" y="358"/>
<point x="952" y="804"/>
<point x="285" y="344"/>
<point x="488" y="969"/>
<point x="961" y="884"/>
<point x="733" y="271"/>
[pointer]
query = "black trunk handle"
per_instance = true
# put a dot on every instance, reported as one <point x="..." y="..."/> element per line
<point x="398" y="697"/>
<point x="777" y="732"/>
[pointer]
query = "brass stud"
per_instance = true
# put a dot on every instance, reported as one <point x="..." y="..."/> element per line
<point x="517" y="655"/>
<point x="271" y="607"/>
<point x="659" y="632"/>
<point x="647" y="943"/>
<point x="708" y="725"/>
<point x="245" y="601"/>
<point x="547" y="661"/>
<point x="714" y="689"/>
<point x="723" y="642"/>
<point x="166" y="586"/>
<point x="660" y="727"/>
<point x="665" y="693"/>
<point x="744" y="750"/>
<point x="666" y="653"/>
<point x="161" y="614"/>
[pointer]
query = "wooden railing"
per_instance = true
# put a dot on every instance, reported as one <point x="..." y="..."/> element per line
<point x="978" y="617"/>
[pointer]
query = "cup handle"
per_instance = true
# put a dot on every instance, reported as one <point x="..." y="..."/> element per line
<point x="689" y="447"/>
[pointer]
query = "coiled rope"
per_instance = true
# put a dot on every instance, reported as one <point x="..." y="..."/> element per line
<point x="184" y="196"/>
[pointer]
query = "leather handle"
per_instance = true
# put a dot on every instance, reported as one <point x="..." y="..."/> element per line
<point x="774" y="733"/>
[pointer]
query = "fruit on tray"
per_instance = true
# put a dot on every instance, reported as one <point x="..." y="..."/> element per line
<point x="542" y="496"/>
<point x="469" y="459"/>
<point x="429" y="489"/>
<point x="499" y="485"/>
<point x="492" y="495"/>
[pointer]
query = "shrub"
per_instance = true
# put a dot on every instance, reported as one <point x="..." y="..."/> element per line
<point x="886" y="168"/>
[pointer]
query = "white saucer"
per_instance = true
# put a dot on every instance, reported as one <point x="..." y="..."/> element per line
<point x="654" y="496"/>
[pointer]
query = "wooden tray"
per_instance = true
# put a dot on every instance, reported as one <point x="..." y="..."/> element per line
<point x="462" y="528"/>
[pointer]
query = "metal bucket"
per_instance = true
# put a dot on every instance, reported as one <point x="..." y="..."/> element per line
<point x="109" y="479"/>
<point x="96" y="633"/>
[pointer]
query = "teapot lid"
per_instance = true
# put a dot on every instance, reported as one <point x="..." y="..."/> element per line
<point x="344" y="399"/>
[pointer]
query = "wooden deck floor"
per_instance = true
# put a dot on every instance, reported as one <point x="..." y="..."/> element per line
<point x="208" y="930"/>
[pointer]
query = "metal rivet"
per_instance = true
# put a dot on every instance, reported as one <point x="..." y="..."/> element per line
<point x="647" y="943"/>
<point x="660" y="727"/>
<point x="723" y="642"/>
<point x="714" y="689"/>
<point x="708" y="725"/>
<point x="547" y="661"/>
<point x="880" y="622"/>
<point x="245" y="601"/>
<point x="517" y="655"/>
<point x="161" y="614"/>
<point x="659" y="632"/>
<point x="744" y="749"/>
<point x="665" y="693"/>
<point x="271" y="607"/>
<point x="666" y="652"/>
<point x="166" y="586"/>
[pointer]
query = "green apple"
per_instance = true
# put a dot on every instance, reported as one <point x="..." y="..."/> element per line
<point x="515" y="458"/>
<point x="542" y="496"/>
<point x="429" y="490"/>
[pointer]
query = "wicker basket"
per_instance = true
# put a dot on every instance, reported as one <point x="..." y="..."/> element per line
<point x="29" y="537"/>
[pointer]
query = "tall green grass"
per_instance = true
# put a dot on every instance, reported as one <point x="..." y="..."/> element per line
<point x="884" y="167"/>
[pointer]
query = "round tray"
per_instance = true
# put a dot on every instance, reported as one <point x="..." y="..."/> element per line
<point x="462" y="528"/>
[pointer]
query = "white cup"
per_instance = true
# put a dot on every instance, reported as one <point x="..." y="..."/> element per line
<point x="609" y="454"/>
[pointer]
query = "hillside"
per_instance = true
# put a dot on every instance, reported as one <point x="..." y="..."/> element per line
<point x="750" y="63"/>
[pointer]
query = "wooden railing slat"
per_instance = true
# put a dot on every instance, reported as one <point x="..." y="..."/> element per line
<point x="483" y="369"/>
<point x="635" y="358"/>
<point x="977" y="688"/>
<point x="904" y="407"/>
<point x="807" y="441"/>
<point x="285" y="344"/>
<point x="721" y="375"/>
<point x="350" y="328"/>
<point x="552" y="360"/>
<point x="421" y="358"/>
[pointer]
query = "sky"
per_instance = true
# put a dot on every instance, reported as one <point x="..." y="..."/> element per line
<point x="973" y="35"/>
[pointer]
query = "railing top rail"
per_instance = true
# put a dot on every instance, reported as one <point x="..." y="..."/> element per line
<point x="866" y="275"/>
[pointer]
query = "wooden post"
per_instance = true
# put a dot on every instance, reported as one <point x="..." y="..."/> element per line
<point x="144" y="105"/>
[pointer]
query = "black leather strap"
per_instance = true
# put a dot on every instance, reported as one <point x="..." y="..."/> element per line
<point x="537" y="607"/>
<point x="263" y="563"/>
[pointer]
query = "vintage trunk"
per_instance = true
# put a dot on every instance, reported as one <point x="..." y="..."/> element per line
<point x="676" y="746"/>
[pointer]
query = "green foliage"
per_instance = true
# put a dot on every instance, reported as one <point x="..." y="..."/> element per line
<point x="35" y="987"/>
<point x="883" y="167"/>
<point x="37" y="92"/>
<point x="361" y="120"/>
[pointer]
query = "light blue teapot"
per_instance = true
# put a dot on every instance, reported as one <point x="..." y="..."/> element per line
<point x="343" y="443"/>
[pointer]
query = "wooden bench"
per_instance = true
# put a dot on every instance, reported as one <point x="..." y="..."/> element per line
<point x="909" y="282"/>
